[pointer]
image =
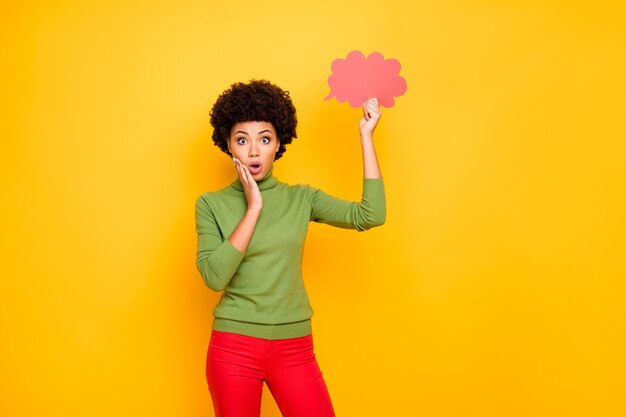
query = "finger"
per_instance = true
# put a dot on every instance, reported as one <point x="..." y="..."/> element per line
<point x="373" y="103"/>
<point x="241" y="173"/>
<point x="247" y="175"/>
<point x="373" y="108"/>
<point x="365" y="111"/>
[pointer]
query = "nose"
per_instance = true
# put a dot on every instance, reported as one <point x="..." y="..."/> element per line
<point x="254" y="151"/>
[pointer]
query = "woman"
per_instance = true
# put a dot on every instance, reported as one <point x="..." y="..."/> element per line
<point x="250" y="244"/>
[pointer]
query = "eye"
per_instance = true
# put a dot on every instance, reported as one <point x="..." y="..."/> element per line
<point x="241" y="141"/>
<point x="265" y="140"/>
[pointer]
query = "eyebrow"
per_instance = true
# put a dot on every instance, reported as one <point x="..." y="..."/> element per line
<point x="262" y="131"/>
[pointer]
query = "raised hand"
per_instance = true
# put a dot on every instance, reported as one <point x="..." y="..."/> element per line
<point x="250" y="187"/>
<point x="371" y="116"/>
<point x="240" y="238"/>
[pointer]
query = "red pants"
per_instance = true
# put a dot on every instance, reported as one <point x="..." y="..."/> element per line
<point x="237" y="366"/>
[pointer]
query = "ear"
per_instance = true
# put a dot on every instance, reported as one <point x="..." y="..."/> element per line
<point x="277" y="146"/>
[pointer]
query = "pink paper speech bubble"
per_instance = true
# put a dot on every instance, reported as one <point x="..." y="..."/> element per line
<point x="357" y="78"/>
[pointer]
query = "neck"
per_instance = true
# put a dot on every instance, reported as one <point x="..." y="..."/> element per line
<point x="267" y="182"/>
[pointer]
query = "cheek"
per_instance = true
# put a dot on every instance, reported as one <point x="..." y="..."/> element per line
<point x="269" y="156"/>
<point x="236" y="151"/>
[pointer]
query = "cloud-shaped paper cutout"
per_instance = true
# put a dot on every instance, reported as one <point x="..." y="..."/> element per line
<point x="357" y="78"/>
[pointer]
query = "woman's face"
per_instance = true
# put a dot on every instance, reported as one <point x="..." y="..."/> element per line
<point x="255" y="144"/>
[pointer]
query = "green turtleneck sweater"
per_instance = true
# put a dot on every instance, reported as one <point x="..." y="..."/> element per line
<point x="263" y="291"/>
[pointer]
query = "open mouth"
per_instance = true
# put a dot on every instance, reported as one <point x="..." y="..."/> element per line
<point x="254" y="168"/>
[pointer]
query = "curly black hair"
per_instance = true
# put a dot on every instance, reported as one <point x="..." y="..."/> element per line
<point x="256" y="101"/>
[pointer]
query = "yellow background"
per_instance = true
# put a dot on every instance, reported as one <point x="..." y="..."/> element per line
<point x="496" y="287"/>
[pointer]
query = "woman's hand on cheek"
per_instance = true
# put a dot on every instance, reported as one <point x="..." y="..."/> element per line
<point x="250" y="187"/>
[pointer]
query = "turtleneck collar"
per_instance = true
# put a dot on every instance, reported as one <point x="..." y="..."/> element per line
<point x="269" y="181"/>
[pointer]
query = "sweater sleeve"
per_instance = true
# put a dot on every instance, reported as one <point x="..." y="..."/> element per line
<point x="370" y="212"/>
<point x="217" y="259"/>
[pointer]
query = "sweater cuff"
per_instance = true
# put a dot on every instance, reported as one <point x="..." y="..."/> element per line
<point x="373" y="187"/>
<point x="229" y="257"/>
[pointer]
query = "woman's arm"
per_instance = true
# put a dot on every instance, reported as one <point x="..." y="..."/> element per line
<point x="371" y="211"/>
<point x="218" y="259"/>
<point x="371" y="116"/>
<point x="240" y="238"/>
